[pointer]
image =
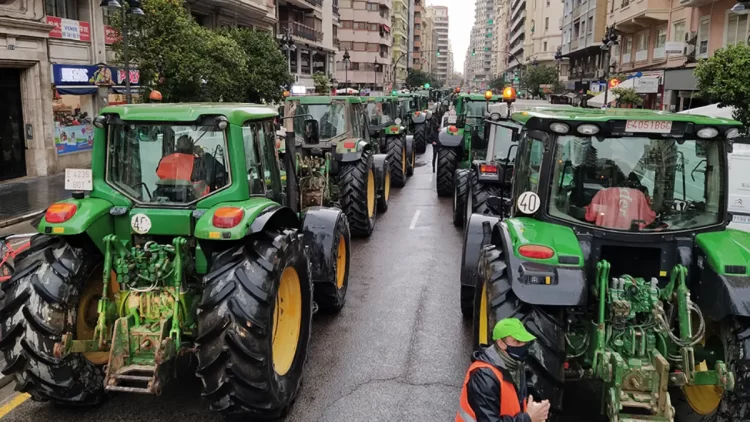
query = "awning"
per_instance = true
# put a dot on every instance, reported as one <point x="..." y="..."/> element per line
<point x="597" y="101"/>
<point x="712" y="110"/>
<point x="77" y="90"/>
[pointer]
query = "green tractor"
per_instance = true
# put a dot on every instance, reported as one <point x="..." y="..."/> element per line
<point x="385" y="127"/>
<point x="617" y="257"/>
<point x="180" y="242"/>
<point x="338" y="163"/>
<point x="416" y="115"/>
<point x="456" y="141"/>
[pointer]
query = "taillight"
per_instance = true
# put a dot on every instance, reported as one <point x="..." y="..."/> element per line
<point x="394" y="129"/>
<point x="536" y="251"/>
<point x="228" y="217"/>
<point x="452" y="129"/>
<point x="487" y="168"/>
<point x="60" y="212"/>
<point x="349" y="145"/>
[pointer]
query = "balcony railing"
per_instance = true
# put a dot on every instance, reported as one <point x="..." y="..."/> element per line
<point x="303" y="31"/>
<point x="336" y="10"/>
<point x="315" y="2"/>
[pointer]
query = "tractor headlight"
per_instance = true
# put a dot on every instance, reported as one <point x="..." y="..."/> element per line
<point x="708" y="132"/>
<point x="588" y="129"/>
<point x="222" y="122"/>
<point x="559" y="128"/>
<point x="495" y="116"/>
<point x="398" y="121"/>
<point x="732" y="133"/>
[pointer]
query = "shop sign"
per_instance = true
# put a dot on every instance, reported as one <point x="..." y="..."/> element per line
<point x="110" y="35"/>
<point x="68" y="29"/>
<point x="101" y="75"/>
<point x="69" y="139"/>
<point x="646" y="85"/>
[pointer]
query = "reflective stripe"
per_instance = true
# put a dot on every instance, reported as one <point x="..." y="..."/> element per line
<point x="464" y="417"/>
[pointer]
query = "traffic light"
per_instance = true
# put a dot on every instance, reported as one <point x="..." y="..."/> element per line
<point x="473" y="51"/>
<point x="426" y="86"/>
<point x="438" y="52"/>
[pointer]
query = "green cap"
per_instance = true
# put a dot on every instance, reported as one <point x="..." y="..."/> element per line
<point x="511" y="327"/>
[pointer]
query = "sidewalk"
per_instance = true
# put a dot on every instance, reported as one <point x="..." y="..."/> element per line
<point x="22" y="199"/>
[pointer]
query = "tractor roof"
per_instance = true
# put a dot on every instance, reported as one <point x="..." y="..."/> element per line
<point x="479" y="97"/>
<point x="382" y="99"/>
<point x="188" y="112"/>
<point x="601" y="116"/>
<point x="325" y="99"/>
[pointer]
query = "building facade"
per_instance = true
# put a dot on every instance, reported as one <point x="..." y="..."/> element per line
<point x="543" y="35"/>
<point x="517" y="29"/>
<point x="365" y="35"/>
<point x="583" y="26"/>
<point x="429" y="59"/>
<point x="400" y="41"/>
<point x="500" y="37"/>
<point x="442" y="69"/>
<point x="419" y="49"/>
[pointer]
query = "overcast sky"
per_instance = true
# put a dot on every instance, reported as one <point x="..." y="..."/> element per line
<point x="460" y="20"/>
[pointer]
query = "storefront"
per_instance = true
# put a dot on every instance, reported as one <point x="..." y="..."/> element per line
<point x="681" y="90"/>
<point x="75" y="91"/>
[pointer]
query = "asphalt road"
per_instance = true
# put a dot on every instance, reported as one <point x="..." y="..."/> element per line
<point x="398" y="351"/>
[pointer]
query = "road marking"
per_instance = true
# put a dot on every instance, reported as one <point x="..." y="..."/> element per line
<point x="13" y="403"/>
<point x="414" y="220"/>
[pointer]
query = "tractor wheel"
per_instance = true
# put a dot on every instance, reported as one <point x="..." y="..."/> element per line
<point x="475" y="238"/>
<point x="41" y="303"/>
<point x="383" y="171"/>
<point x="254" y="324"/>
<point x="412" y="160"/>
<point x="358" y="194"/>
<point x="706" y="403"/>
<point x="460" y="185"/>
<point x="396" y="149"/>
<point x="478" y="193"/>
<point x="494" y="300"/>
<point x="447" y="162"/>
<point x="420" y="138"/>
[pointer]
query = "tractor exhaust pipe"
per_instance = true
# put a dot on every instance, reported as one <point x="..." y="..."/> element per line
<point x="291" y="171"/>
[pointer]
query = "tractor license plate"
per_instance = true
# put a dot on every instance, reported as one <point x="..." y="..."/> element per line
<point x="648" y="126"/>
<point x="742" y="219"/>
<point x="78" y="180"/>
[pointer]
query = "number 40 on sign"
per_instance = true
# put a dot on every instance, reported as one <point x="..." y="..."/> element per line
<point x="528" y="202"/>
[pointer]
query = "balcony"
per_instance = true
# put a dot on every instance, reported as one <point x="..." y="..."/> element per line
<point x="316" y="3"/>
<point x="695" y="3"/>
<point x="303" y="31"/>
<point x="336" y="11"/>
<point x="639" y="15"/>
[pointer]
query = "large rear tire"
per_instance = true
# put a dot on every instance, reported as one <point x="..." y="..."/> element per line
<point x="494" y="300"/>
<point x="460" y="186"/>
<point x="447" y="162"/>
<point x="475" y="238"/>
<point x="41" y="303"/>
<point x="358" y="194"/>
<point x="396" y="149"/>
<point x="327" y="235"/>
<point x="254" y="324"/>
<point x="479" y="193"/>
<point x="420" y="137"/>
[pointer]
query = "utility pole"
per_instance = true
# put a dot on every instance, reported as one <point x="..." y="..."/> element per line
<point x="133" y="8"/>
<point x="287" y="43"/>
<point x="610" y="39"/>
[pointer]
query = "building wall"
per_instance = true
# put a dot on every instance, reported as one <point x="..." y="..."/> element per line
<point x="442" y="42"/>
<point x="364" y="34"/>
<point x="428" y="39"/>
<point x="400" y="34"/>
<point x="544" y="36"/>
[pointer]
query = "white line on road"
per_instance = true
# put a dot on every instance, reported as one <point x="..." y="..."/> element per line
<point x="414" y="220"/>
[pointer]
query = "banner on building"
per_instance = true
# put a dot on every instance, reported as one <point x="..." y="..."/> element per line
<point x="91" y="75"/>
<point x="68" y="29"/>
<point x="69" y="139"/>
<point x="110" y="35"/>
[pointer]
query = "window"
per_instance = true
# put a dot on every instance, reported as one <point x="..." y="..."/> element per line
<point x="703" y="29"/>
<point x="359" y="46"/>
<point x="359" y="5"/>
<point x="305" y="62"/>
<point x="319" y="63"/>
<point x="545" y="46"/>
<point x="590" y="25"/>
<point x="373" y="27"/>
<point x="736" y="28"/>
<point x="372" y="47"/>
<point x="417" y="27"/>
<point x="627" y="48"/>
<point x="345" y="45"/>
<point x="293" y="63"/>
<point x="625" y="3"/>
<point x="67" y="9"/>
<point x="362" y="26"/>
<point x="661" y="40"/>
<point x="253" y="166"/>
<point x="529" y="165"/>
<point x="373" y="7"/>
<point x="641" y="47"/>
<point x="678" y="31"/>
<point x="546" y="24"/>
<point x="347" y="24"/>
<point x="547" y="3"/>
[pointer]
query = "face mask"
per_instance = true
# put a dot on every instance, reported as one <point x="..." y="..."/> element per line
<point x="518" y="353"/>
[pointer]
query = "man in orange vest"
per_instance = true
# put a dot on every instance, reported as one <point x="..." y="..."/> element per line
<point x="185" y="165"/>
<point x="495" y="387"/>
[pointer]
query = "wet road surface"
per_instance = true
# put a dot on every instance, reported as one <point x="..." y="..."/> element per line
<point x="397" y="351"/>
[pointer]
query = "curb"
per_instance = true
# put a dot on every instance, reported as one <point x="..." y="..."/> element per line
<point x="20" y="219"/>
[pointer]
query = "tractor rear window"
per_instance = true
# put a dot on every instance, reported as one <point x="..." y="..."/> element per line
<point x="637" y="183"/>
<point x="331" y="119"/>
<point x="166" y="163"/>
<point x="379" y="113"/>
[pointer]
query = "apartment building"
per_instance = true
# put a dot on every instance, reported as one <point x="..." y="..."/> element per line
<point x="400" y="44"/>
<point x="442" y="44"/>
<point x="500" y="37"/>
<point x="583" y="25"/>
<point x="517" y="29"/>
<point x="365" y="35"/>
<point x="484" y="17"/>
<point x="429" y="59"/>
<point x="543" y="35"/>
<point x="472" y="62"/>
<point x="418" y="46"/>
<point x="314" y="25"/>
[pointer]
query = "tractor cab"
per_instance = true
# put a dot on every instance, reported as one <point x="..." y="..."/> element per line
<point x="617" y="230"/>
<point x="416" y="118"/>
<point x="382" y="114"/>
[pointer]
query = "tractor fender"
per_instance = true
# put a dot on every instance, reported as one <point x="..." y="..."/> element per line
<point x="379" y="175"/>
<point x="450" y="140"/>
<point x="428" y="114"/>
<point x="419" y="119"/>
<point x="409" y="145"/>
<point x="274" y="217"/>
<point x="476" y="236"/>
<point x="724" y="287"/>
<point x="568" y="286"/>
<point x="349" y="155"/>
<point x="318" y="228"/>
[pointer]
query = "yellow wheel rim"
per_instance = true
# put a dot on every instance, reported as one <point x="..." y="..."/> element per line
<point x="387" y="187"/>
<point x="403" y="161"/>
<point x="704" y="399"/>
<point x="413" y="158"/>
<point x="287" y="321"/>
<point x="370" y="193"/>
<point x="87" y="313"/>
<point x="341" y="263"/>
<point x="483" y="317"/>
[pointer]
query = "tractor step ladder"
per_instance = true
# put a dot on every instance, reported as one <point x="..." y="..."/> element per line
<point x="134" y="379"/>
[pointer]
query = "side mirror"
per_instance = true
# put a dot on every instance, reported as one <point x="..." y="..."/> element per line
<point x="312" y="131"/>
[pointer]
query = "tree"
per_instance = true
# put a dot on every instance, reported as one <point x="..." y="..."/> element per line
<point x="417" y="78"/>
<point x="321" y="83"/>
<point x="498" y="83"/>
<point x="267" y="68"/>
<point x="627" y="96"/>
<point x="724" y="77"/>
<point x="533" y="76"/>
<point x="181" y="59"/>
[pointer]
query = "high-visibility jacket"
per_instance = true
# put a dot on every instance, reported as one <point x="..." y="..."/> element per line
<point x="509" y="404"/>
<point x="180" y="166"/>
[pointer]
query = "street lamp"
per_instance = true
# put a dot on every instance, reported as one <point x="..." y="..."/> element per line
<point x="133" y="8"/>
<point x="610" y="39"/>
<point x="346" y="68"/>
